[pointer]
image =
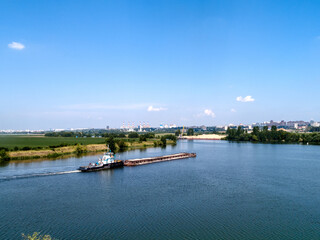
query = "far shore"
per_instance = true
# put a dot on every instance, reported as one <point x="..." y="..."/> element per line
<point x="204" y="137"/>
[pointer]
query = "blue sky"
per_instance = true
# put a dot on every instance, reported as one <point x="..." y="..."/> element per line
<point x="80" y="63"/>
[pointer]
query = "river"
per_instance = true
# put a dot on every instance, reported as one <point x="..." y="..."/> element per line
<point x="229" y="191"/>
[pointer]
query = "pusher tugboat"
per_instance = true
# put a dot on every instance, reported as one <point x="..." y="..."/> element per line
<point x="106" y="162"/>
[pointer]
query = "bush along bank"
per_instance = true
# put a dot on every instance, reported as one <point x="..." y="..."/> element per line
<point x="140" y="141"/>
<point x="4" y="156"/>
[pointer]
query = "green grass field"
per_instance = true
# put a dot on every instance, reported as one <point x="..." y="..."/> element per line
<point x="20" y="141"/>
<point x="162" y="134"/>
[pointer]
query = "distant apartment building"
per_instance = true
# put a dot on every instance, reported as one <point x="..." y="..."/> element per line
<point x="283" y="124"/>
<point x="204" y="128"/>
<point x="167" y="126"/>
<point x="314" y="124"/>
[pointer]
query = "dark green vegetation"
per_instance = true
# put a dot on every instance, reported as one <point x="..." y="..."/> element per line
<point x="164" y="138"/>
<point x="34" y="142"/>
<point x="111" y="143"/>
<point x="133" y="135"/>
<point x="314" y="129"/>
<point x="81" y="149"/>
<point x="4" y="155"/>
<point x="190" y="132"/>
<point x="163" y="141"/>
<point x="135" y="139"/>
<point x="272" y="136"/>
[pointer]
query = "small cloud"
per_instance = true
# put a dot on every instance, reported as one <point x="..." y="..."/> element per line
<point x="16" y="45"/>
<point x="209" y="112"/>
<point x="233" y="110"/>
<point x="154" y="109"/>
<point x="245" y="99"/>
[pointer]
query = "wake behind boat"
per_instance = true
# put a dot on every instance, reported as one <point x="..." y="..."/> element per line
<point x="108" y="161"/>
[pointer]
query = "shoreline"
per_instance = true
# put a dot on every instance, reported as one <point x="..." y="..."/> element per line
<point x="70" y="151"/>
<point x="204" y="137"/>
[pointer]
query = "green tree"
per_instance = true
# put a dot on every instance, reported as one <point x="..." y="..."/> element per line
<point x="232" y="134"/>
<point x="255" y="131"/>
<point x="121" y="135"/>
<point x="178" y="132"/>
<point x="190" y="132"/>
<point x="240" y="131"/>
<point x="163" y="140"/>
<point x="274" y="134"/>
<point x="111" y="144"/>
<point x="170" y="137"/>
<point x="4" y="155"/>
<point x="122" y="145"/>
<point x="133" y="135"/>
<point x="142" y="138"/>
<point x="316" y="138"/>
<point x="254" y="138"/>
<point x="81" y="149"/>
<point x="150" y="135"/>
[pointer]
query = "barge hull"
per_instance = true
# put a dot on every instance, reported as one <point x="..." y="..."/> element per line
<point x="143" y="161"/>
<point x="105" y="167"/>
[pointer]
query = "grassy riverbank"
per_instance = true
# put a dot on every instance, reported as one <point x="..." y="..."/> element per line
<point x="34" y="147"/>
<point x="56" y="152"/>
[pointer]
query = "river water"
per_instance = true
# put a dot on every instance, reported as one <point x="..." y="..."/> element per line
<point x="229" y="191"/>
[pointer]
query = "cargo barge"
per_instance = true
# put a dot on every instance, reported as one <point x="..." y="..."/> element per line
<point x="108" y="161"/>
<point x="142" y="161"/>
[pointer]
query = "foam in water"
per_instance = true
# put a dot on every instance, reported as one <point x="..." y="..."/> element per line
<point x="37" y="175"/>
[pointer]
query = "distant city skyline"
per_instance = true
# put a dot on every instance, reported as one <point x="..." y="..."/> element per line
<point x="67" y="64"/>
<point x="131" y="125"/>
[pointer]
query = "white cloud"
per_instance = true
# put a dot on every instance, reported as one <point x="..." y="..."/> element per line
<point x="209" y="112"/>
<point x="154" y="109"/>
<point x="16" y="45"/>
<point x="233" y="110"/>
<point x="245" y="99"/>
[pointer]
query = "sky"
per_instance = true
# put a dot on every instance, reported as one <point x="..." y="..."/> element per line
<point x="92" y="64"/>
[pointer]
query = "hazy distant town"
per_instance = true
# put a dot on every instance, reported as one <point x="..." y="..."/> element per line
<point x="291" y="126"/>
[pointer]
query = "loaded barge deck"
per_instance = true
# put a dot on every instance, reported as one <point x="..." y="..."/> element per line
<point x="142" y="161"/>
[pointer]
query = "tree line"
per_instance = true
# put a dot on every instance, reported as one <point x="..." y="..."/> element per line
<point x="314" y="129"/>
<point x="271" y="136"/>
<point x="190" y="132"/>
<point x="104" y="135"/>
<point x="120" y="144"/>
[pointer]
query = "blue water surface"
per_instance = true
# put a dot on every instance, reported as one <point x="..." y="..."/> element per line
<point x="229" y="191"/>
